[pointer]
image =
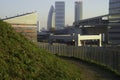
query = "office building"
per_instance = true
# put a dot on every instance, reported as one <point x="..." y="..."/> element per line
<point x="78" y="10"/>
<point x="51" y="19"/>
<point x="114" y="22"/>
<point x="60" y="14"/>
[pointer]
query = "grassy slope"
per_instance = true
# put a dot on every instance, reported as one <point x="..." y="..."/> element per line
<point x="20" y="59"/>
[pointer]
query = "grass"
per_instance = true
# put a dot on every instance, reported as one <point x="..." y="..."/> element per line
<point x="21" y="59"/>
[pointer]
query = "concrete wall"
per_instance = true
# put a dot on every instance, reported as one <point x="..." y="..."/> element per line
<point x="30" y="32"/>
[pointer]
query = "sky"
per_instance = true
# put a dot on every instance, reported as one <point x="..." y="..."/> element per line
<point x="91" y="8"/>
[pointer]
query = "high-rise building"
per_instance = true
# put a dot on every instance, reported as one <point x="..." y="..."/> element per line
<point x="114" y="21"/>
<point x="60" y="14"/>
<point x="78" y="10"/>
<point x="51" y="19"/>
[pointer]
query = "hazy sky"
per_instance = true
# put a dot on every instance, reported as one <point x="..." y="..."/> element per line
<point x="91" y="8"/>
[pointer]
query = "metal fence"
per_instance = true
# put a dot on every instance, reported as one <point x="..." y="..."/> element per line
<point x="107" y="56"/>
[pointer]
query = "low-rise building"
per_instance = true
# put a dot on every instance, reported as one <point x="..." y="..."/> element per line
<point x="26" y="24"/>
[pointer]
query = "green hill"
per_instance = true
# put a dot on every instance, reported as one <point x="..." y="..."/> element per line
<point x="20" y="59"/>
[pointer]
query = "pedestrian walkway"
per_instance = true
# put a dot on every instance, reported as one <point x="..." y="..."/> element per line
<point x="92" y="72"/>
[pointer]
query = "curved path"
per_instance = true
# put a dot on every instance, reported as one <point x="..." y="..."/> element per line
<point x="91" y="71"/>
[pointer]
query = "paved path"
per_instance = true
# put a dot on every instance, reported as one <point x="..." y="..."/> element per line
<point x="92" y="72"/>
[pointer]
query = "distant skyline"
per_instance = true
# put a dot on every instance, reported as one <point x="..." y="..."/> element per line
<point x="91" y="8"/>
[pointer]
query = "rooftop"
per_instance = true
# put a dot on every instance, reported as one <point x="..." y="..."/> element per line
<point x="17" y="16"/>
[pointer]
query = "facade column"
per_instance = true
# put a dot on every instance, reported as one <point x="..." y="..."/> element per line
<point x="77" y="40"/>
<point x="100" y="40"/>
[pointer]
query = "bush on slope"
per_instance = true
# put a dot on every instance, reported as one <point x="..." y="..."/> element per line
<point x="20" y="59"/>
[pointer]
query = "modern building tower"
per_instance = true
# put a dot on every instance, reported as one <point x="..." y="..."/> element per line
<point x="114" y="22"/>
<point x="60" y="14"/>
<point x="78" y="10"/>
<point x="51" y="19"/>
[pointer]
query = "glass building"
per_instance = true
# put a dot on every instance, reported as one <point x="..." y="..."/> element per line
<point x="51" y="19"/>
<point x="114" y="22"/>
<point x="78" y="10"/>
<point x="60" y="14"/>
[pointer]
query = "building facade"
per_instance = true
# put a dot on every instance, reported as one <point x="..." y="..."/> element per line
<point x="60" y="14"/>
<point x="78" y="10"/>
<point x="114" y="22"/>
<point x="26" y="24"/>
<point x="51" y="19"/>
